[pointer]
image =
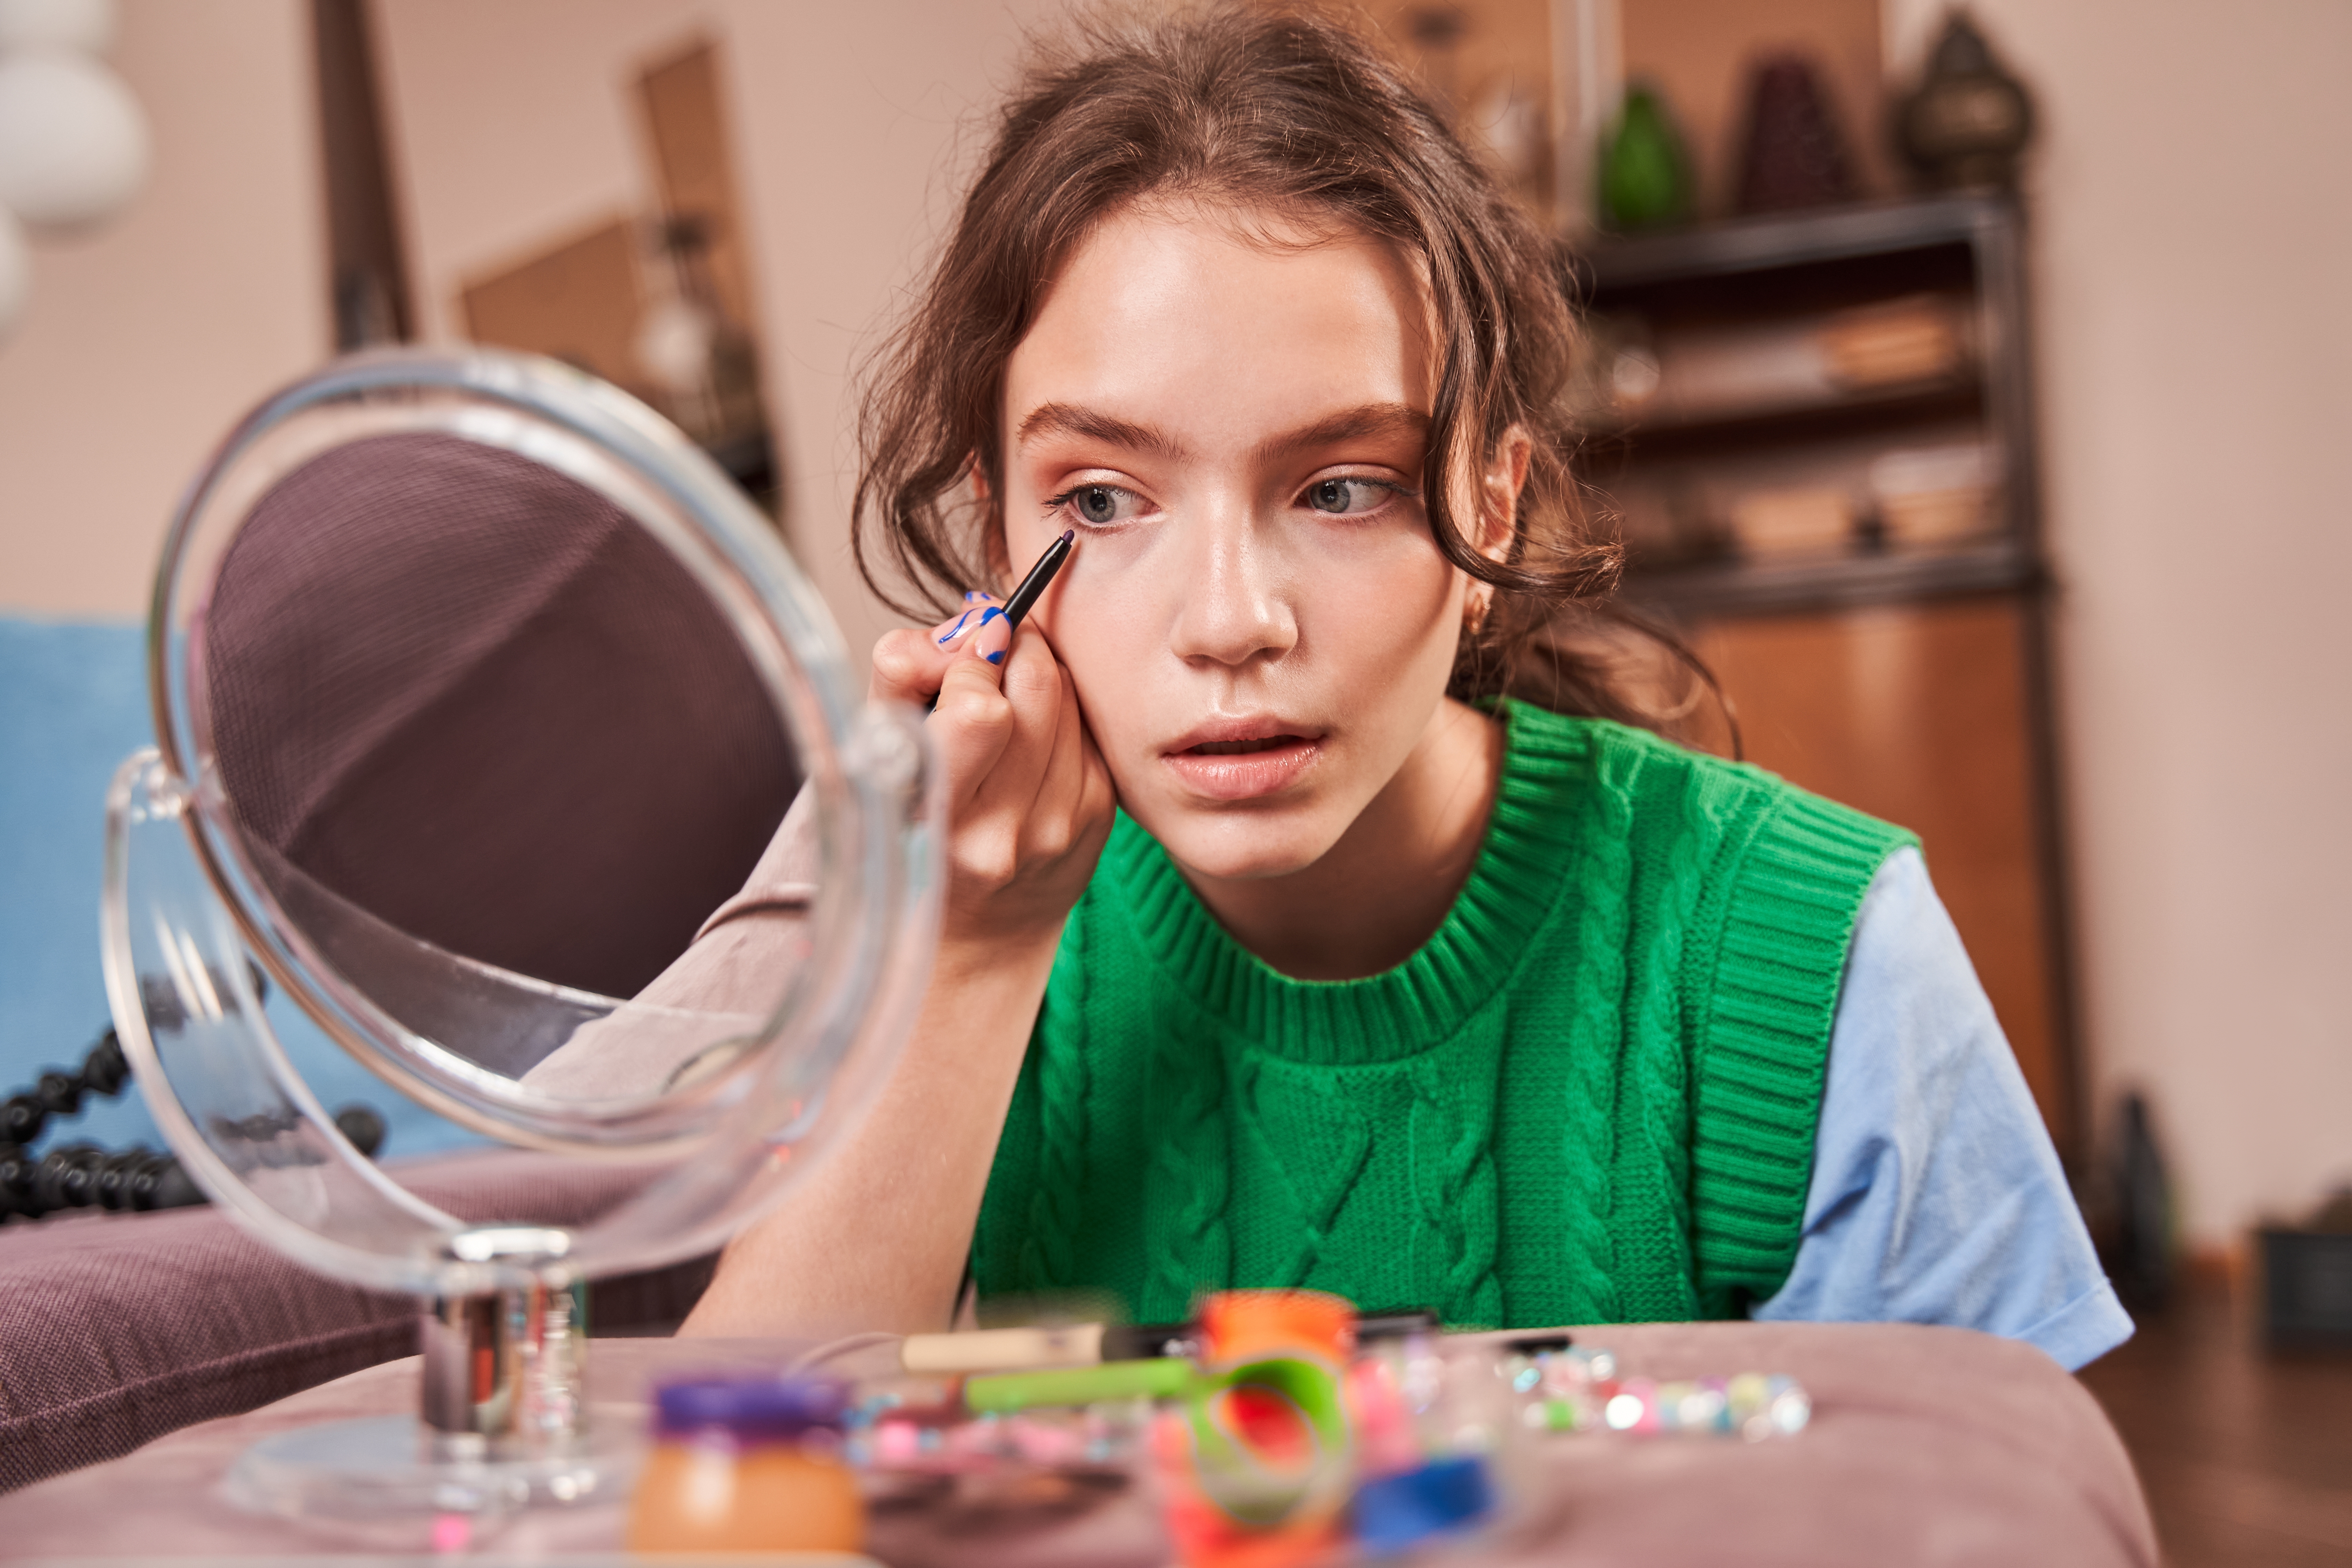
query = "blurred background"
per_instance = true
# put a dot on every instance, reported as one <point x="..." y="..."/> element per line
<point x="1964" y="385"/>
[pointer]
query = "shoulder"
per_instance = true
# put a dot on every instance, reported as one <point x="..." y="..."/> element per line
<point x="1936" y="1196"/>
<point x="1661" y="789"/>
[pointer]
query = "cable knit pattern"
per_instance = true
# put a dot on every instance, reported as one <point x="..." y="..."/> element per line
<point x="1604" y="874"/>
<point x="1191" y="1168"/>
<point x="1662" y="1107"/>
<point x="1456" y="1187"/>
<point x="1316" y="1158"/>
<point x="1590" y="1096"/>
<point x="1047" y="1255"/>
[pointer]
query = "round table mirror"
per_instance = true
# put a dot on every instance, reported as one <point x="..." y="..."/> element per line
<point x="479" y="692"/>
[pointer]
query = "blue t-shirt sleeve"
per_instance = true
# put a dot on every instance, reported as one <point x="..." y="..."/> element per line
<point x="1936" y="1196"/>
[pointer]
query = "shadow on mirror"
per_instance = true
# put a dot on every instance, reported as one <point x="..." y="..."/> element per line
<point x="497" y="753"/>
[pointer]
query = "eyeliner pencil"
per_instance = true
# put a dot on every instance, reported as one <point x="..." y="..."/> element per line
<point x="1040" y="578"/>
<point x="1033" y="587"/>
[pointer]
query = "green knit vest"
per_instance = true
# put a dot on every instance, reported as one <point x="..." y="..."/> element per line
<point x="1590" y="1097"/>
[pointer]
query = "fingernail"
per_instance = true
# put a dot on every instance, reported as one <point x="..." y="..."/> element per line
<point x="947" y="633"/>
<point x="977" y="597"/>
<point x="992" y="635"/>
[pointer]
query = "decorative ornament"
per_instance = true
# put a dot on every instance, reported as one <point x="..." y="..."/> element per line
<point x="84" y="25"/>
<point x="1793" y="154"/>
<point x="15" y="271"/>
<point x="1969" y="119"/>
<point x="1645" y="171"/>
<point x="73" y="143"/>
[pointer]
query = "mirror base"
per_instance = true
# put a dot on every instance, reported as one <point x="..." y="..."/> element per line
<point x="386" y="1468"/>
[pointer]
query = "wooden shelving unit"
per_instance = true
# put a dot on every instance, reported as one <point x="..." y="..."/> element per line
<point x="1907" y="673"/>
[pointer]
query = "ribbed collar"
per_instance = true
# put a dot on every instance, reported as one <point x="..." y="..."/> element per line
<point x="1520" y="874"/>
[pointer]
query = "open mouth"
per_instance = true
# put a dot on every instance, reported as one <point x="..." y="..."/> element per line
<point x="1243" y="748"/>
<point x="1244" y="767"/>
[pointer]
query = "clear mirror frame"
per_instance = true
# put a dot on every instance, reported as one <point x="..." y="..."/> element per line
<point x="187" y="900"/>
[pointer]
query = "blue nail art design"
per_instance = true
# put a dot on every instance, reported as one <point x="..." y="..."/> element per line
<point x="958" y="629"/>
<point x="997" y="658"/>
<point x="987" y="615"/>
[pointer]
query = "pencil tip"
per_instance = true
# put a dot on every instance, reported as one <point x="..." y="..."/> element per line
<point x="1069" y="534"/>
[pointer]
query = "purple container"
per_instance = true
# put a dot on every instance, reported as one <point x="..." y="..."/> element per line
<point x="767" y="1409"/>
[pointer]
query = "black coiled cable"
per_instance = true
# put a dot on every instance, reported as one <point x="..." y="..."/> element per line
<point x="82" y="1175"/>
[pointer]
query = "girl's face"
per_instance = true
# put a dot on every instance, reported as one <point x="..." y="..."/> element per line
<point x="1256" y="618"/>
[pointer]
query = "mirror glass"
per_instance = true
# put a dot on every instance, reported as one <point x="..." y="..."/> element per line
<point x="495" y="693"/>
<point x="496" y="731"/>
<point x="492" y="747"/>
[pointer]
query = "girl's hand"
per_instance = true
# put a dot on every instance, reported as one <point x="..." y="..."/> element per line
<point x="1030" y="802"/>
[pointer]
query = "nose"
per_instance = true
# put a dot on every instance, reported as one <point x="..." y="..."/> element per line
<point x="1232" y="608"/>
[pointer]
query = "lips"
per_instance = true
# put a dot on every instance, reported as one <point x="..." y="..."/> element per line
<point x="1244" y="759"/>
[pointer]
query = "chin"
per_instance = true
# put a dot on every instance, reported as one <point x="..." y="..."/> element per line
<point x="1241" y="846"/>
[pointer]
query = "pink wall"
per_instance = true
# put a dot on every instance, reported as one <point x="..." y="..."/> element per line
<point x="144" y="341"/>
<point x="2193" y="243"/>
<point x="512" y="124"/>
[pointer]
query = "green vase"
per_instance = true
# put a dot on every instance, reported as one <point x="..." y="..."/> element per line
<point x="1645" y="173"/>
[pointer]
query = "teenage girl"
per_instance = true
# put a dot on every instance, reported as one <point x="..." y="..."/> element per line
<point x="1286" y="944"/>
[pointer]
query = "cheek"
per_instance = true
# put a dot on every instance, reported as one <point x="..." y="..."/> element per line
<point x="1107" y="639"/>
<point x="1376" y="610"/>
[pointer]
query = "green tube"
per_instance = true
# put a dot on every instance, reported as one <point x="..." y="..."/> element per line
<point x="1163" y="1377"/>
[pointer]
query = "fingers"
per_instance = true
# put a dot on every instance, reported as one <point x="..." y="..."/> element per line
<point x="1030" y="801"/>
<point x="1069" y="809"/>
<point x="973" y="727"/>
<point x="911" y="666"/>
<point x="981" y="628"/>
<point x="991" y="832"/>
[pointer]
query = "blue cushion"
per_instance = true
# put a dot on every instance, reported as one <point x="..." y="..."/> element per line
<point x="73" y="704"/>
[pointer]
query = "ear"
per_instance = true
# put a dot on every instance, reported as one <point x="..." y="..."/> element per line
<point x="1499" y="487"/>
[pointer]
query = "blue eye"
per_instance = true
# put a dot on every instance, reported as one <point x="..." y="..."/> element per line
<point x="1098" y="506"/>
<point x="1342" y="497"/>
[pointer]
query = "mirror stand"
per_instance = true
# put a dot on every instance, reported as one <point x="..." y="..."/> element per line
<point x="504" y="1423"/>
<point x="406" y="593"/>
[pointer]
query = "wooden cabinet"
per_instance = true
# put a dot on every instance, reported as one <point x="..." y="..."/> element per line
<point x="1816" y="431"/>
<point x="1921" y="713"/>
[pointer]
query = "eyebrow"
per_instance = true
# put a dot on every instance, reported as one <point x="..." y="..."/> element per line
<point x="1365" y="421"/>
<point x="1068" y="420"/>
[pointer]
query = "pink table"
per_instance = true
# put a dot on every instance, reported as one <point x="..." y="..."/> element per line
<point x="1927" y="1447"/>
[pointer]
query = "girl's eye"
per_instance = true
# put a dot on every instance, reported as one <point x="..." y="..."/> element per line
<point x="1099" y="505"/>
<point x="1344" y="497"/>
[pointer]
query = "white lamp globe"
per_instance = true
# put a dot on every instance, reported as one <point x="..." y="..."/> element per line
<point x="84" y="25"/>
<point x="73" y="143"/>
<point x="15" y="271"/>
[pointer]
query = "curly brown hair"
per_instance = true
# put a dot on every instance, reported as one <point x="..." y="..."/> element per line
<point x="1260" y="109"/>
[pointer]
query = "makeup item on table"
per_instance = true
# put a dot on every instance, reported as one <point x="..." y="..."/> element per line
<point x="1433" y="1420"/>
<point x="1752" y="1405"/>
<point x="1086" y="1344"/>
<point x="1561" y="1386"/>
<point x="1163" y="1377"/>
<point x="1259" y="1463"/>
<point x="1044" y="1345"/>
<point x="747" y="1465"/>
<point x="1101" y="1435"/>
<point x="1391" y="1512"/>
<point x="1576" y="1389"/>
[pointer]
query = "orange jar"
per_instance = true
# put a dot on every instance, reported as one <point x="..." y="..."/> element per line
<point x="750" y="1465"/>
